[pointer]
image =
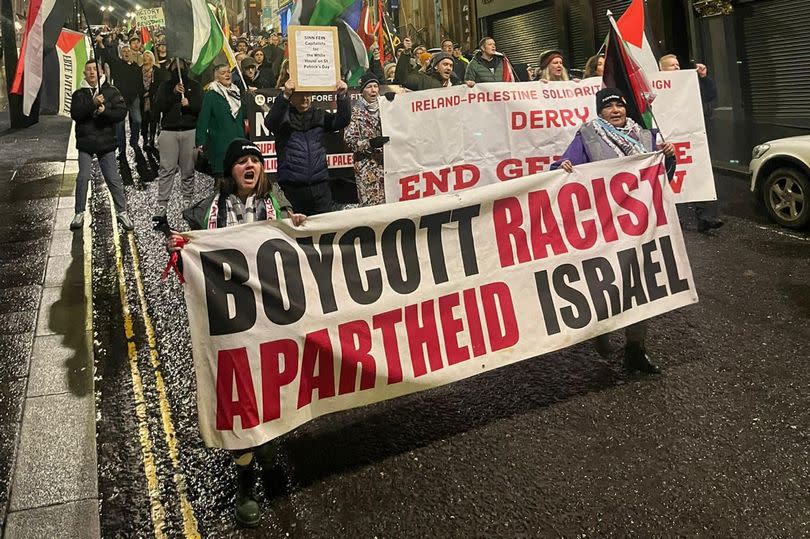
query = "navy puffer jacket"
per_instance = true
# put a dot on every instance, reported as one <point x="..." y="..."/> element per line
<point x="300" y="139"/>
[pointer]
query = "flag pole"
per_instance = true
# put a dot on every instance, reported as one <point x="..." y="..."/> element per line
<point x="89" y="31"/>
<point x="179" y="75"/>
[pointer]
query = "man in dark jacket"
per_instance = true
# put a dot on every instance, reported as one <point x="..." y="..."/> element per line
<point x="439" y="73"/>
<point x="299" y="130"/>
<point x="179" y="100"/>
<point x="127" y="75"/>
<point x="488" y="65"/>
<point x="97" y="107"/>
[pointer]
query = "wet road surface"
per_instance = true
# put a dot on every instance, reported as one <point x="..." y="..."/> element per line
<point x="562" y="445"/>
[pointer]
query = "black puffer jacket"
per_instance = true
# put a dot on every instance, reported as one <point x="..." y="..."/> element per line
<point x="95" y="133"/>
<point x="127" y="77"/>
<point x="176" y="117"/>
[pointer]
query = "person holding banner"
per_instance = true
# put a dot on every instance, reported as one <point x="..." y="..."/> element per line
<point x="364" y="138"/>
<point x="609" y="136"/>
<point x="246" y="195"/>
<point x="488" y="65"/>
<point x="299" y="130"/>
<point x="552" y="67"/>
<point x="439" y="72"/>
<point x="221" y="119"/>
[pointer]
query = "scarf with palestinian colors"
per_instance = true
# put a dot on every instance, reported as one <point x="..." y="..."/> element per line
<point x="622" y="140"/>
<point x="231" y="95"/>
<point x="238" y="213"/>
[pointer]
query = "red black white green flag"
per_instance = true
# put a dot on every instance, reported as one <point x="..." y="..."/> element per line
<point x="622" y="71"/>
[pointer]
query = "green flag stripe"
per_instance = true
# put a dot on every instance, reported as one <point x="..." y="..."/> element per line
<point x="211" y="49"/>
<point x="326" y="11"/>
<point x="80" y="53"/>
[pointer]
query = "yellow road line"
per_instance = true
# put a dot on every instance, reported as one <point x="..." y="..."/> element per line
<point x="157" y="510"/>
<point x="189" y="521"/>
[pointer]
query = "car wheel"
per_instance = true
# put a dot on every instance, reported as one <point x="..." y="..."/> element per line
<point x="785" y="193"/>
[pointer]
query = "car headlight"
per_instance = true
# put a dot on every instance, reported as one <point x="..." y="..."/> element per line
<point x="760" y="150"/>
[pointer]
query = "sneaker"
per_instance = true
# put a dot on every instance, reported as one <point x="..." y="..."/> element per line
<point x="160" y="214"/>
<point x="125" y="221"/>
<point x="77" y="222"/>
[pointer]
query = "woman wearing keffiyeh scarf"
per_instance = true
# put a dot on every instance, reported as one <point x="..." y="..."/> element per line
<point x="246" y="195"/>
<point x="609" y="136"/>
<point x="221" y="119"/>
<point x="364" y="137"/>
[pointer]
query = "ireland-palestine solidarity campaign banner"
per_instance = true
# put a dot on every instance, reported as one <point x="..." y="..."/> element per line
<point x="457" y="138"/>
<point x="360" y="306"/>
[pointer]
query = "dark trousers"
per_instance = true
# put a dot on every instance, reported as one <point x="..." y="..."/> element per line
<point x="309" y="199"/>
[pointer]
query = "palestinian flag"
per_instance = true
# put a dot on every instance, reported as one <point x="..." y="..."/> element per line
<point x="623" y="72"/>
<point x="193" y="32"/>
<point x="72" y="51"/>
<point x="146" y="39"/>
<point x="42" y="28"/>
<point x="634" y="30"/>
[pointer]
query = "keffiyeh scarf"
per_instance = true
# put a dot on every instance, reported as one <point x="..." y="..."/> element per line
<point x="231" y="95"/>
<point x="239" y="213"/>
<point x="622" y="140"/>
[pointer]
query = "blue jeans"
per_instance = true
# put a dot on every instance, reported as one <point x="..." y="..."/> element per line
<point x="134" y="112"/>
<point x="109" y="169"/>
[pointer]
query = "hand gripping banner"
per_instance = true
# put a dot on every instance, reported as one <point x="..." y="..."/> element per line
<point x="356" y="307"/>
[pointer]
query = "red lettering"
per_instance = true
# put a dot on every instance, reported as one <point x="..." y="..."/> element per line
<point x="516" y="170"/>
<point x="653" y="175"/>
<point x="552" y="118"/>
<point x="518" y="120"/>
<point x="536" y="164"/>
<point x="536" y="119"/>
<point x="423" y="335"/>
<point x="619" y="185"/>
<point x="567" y="117"/>
<point x="355" y="345"/>
<point x="451" y="327"/>
<point x="565" y="199"/>
<point x="544" y="230"/>
<point x="677" y="181"/>
<point x="499" y="313"/>
<point x="476" y="330"/>
<point x="603" y="210"/>
<point x="387" y="324"/>
<point x="508" y="218"/>
<point x="681" y="157"/>
<point x="432" y="182"/>
<point x="461" y="183"/>
<point x="274" y="377"/>
<point x="317" y="353"/>
<point x="233" y="366"/>
<point x="408" y="186"/>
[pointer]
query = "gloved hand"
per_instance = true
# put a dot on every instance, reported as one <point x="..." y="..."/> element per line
<point x="378" y="142"/>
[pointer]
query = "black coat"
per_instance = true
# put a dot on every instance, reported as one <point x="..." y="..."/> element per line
<point x="167" y="102"/>
<point x="95" y="133"/>
<point x="127" y="77"/>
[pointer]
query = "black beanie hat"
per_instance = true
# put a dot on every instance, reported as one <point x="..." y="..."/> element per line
<point x="606" y="95"/>
<point x="438" y="57"/>
<point x="238" y="148"/>
<point x="367" y="78"/>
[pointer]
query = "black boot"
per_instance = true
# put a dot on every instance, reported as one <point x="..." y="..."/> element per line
<point x="636" y="359"/>
<point x="246" y="509"/>
<point x="273" y="478"/>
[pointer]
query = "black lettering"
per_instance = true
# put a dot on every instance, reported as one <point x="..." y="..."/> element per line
<point x="676" y="283"/>
<point x="270" y="279"/>
<point x="406" y="230"/>
<point x="651" y="269"/>
<point x="351" y="265"/>
<point x="466" y="240"/>
<point x="433" y="223"/>
<point x="320" y="262"/>
<point x="546" y="302"/>
<point x="600" y="279"/>
<point x="218" y="287"/>
<point x="632" y="289"/>
<point x="562" y="276"/>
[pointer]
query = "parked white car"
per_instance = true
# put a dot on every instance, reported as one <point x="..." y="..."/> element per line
<point x="780" y="178"/>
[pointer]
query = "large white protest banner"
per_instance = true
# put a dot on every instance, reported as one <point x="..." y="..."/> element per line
<point x="288" y="324"/>
<point x="455" y="138"/>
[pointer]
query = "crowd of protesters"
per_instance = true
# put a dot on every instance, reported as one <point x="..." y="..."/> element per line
<point x="206" y="115"/>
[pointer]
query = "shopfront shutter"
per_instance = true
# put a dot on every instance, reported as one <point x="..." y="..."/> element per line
<point x="576" y="38"/>
<point x="602" y="23"/>
<point x="523" y="36"/>
<point x="776" y="59"/>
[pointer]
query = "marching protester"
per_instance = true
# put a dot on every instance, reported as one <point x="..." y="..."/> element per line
<point x="152" y="77"/>
<point x="221" y="118"/>
<point x="488" y="65"/>
<point x="273" y="56"/>
<point x="459" y="67"/>
<point x="179" y="100"/>
<point x="461" y="61"/>
<point x="613" y="134"/>
<point x="364" y="137"/>
<point x="128" y="77"/>
<point x="248" y="82"/>
<point x="264" y="72"/>
<point x="162" y="56"/>
<point x="707" y="213"/>
<point x="552" y="67"/>
<point x="438" y="75"/>
<point x="135" y="46"/>
<point x="299" y="130"/>
<point x="97" y="107"/>
<point x="594" y="67"/>
<point x="389" y="71"/>
<point x="245" y="195"/>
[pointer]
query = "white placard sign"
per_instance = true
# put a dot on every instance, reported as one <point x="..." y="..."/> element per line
<point x="314" y="58"/>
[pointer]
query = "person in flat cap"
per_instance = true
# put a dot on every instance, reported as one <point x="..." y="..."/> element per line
<point x="552" y="67"/>
<point x="609" y="136"/>
<point x="364" y="138"/>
